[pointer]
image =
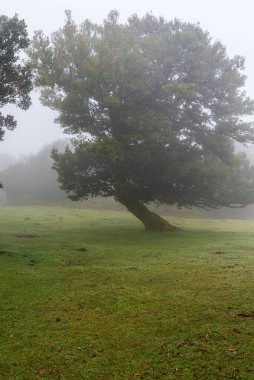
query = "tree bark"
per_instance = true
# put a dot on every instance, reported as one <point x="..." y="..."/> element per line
<point x="151" y="221"/>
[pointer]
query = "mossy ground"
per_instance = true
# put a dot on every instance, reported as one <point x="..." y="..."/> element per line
<point x="90" y="295"/>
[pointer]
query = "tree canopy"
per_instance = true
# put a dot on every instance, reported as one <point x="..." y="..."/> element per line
<point x="15" y="75"/>
<point x="156" y="107"/>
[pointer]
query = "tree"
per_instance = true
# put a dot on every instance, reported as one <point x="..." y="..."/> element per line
<point x="6" y="160"/>
<point x="156" y="107"/>
<point x="15" y="75"/>
<point x="32" y="180"/>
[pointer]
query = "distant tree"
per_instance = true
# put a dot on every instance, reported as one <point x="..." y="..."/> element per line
<point x="15" y="75"/>
<point x="156" y="107"/>
<point x="32" y="180"/>
<point x="6" y="160"/>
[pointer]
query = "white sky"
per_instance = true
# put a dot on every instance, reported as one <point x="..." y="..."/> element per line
<point x="230" y="21"/>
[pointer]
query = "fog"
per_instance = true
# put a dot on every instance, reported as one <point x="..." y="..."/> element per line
<point x="228" y="21"/>
<point x="35" y="129"/>
<point x="24" y="184"/>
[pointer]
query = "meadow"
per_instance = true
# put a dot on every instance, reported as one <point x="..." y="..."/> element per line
<point x="88" y="294"/>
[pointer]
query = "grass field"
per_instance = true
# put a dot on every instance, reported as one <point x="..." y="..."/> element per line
<point x="90" y="295"/>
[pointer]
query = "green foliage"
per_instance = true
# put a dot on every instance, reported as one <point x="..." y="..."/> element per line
<point x="157" y="107"/>
<point x="88" y="295"/>
<point x="15" y="75"/>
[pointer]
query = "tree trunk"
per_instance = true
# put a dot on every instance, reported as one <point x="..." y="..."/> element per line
<point x="151" y="221"/>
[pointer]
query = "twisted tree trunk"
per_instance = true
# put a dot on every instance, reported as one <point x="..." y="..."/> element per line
<point x="151" y="221"/>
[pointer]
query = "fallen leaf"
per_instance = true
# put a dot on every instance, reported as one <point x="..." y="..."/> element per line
<point x="202" y="349"/>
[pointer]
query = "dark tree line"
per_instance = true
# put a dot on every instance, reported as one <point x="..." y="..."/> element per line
<point x="32" y="180"/>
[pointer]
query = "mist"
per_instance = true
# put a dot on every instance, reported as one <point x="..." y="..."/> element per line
<point x="37" y="129"/>
<point x="229" y="24"/>
<point x="125" y="248"/>
<point x="31" y="180"/>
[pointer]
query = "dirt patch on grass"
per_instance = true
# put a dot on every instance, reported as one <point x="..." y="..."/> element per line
<point x="246" y="315"/>
<point x="4" y="252"/>
<point x="83" y="249"/>
<point x="26" y="235"/>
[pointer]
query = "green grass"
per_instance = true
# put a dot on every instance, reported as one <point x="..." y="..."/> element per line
<point x="90" y="295"/>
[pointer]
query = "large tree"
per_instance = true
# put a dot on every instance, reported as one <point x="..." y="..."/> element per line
<point x="15" y="75"/>
<point x="156" y="107"/>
